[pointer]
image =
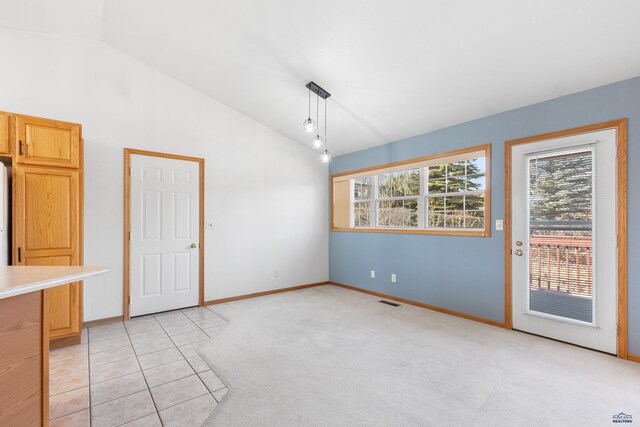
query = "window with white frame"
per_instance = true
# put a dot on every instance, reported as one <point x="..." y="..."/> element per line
<point x="362" y="196"/>
<point x="397" y="197"/>
<point x="455" y="193"/>
<point x="435" y="194"/>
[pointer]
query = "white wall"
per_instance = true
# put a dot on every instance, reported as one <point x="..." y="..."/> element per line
<point x="266" y="193"/>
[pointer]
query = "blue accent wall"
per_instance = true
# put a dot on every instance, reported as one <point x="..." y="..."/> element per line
<point x="466" y="274"/>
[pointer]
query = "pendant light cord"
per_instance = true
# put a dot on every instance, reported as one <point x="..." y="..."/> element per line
<point x="317" y="108"/>
<point x="325" y="123"/>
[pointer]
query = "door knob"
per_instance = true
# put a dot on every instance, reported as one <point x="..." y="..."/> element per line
<point x="518" y="252"/>
<point x="194" y="245"/>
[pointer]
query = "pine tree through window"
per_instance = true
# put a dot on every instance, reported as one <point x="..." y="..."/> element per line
<point x="455" y="194"/>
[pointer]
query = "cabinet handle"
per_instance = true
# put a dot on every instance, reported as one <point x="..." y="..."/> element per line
<point x="20" y="148"/>
<point x="19" y="254"/>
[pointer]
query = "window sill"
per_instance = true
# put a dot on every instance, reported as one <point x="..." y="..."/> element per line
<point x="468" y="233"/>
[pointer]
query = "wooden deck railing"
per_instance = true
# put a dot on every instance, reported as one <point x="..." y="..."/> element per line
<point x="561" y="263"/>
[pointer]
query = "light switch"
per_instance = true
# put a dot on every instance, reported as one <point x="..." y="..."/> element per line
<point x="210" y="225"/>
<point x="499" y="225"/>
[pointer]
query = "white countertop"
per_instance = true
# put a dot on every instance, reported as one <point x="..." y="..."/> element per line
<point x="17" y="280"/>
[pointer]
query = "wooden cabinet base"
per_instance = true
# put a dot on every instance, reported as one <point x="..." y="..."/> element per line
<point x="24" y="360"/>
<point x="64" y="342"/>
<point x="65" y="312"/>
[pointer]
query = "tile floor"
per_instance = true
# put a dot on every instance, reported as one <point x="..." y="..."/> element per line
<point x="142" y="372"/>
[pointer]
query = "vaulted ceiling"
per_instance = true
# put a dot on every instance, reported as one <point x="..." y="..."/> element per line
<point x="395" y="68"/>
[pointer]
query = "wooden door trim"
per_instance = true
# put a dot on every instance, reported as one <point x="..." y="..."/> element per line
<point x="127" y="219"/>
<point x="621" y="202"/>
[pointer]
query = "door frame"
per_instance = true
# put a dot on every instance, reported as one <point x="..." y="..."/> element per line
<point x="127" y="220"/>
<point x="621" y="201"/>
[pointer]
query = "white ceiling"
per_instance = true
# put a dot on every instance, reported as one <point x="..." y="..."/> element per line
<point x="395" y="68"/>
<point x="67" y="17"/>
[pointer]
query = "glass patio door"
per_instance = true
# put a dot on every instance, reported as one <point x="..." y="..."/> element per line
<point x="564" y="283"/>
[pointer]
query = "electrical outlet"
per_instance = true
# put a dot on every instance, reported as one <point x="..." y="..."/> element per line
<point x="373" y="274"/>
<point x="276" y="273"/>
<point x="499" y="225"/>
<point x="393" y="278"/>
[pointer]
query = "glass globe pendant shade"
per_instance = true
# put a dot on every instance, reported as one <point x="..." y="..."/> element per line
<point x="325" y="157"/>
<point x="316" y="142"/>
<point x="309" y="125"/>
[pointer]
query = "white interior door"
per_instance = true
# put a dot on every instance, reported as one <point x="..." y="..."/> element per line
<point x="563" y="248"/>
<point x="164" y="246"/>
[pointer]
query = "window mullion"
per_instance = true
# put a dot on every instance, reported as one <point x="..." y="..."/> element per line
<point x="464" y="197"/>
<point x="421" y="199"/>
<point x="373" y="206"/>
<point x="352" y="215"/>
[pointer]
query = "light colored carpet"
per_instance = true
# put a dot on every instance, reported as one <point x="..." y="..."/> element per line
<point x="327" y="356"/>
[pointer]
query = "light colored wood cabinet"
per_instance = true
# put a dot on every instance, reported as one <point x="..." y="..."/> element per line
<point x="47" y="171"/>
<point x="5" y="147"/>
<point x="65" y="318"/>
<point x="47" y="231"/>
<point x="45" y="142"/>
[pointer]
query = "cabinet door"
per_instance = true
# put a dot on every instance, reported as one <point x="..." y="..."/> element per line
<point x="65" y="317"/>
<point x="47" y="232"/>
<point x="4" y="133"/>
<point x="47" y="142"/>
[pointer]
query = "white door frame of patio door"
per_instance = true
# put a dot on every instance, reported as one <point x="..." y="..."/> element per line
<point x="607" y="330"/>
<point x="171" y="243"/>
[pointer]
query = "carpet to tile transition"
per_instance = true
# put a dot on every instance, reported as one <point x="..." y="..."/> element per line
<point x="327" y="356"/>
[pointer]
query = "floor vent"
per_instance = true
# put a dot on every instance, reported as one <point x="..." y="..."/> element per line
<point x="393" y="304"/>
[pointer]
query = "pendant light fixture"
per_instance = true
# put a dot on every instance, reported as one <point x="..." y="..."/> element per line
<point x="326" y="156"/>
<point x="309" y="125"/>
<point x="318" y="142"/>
